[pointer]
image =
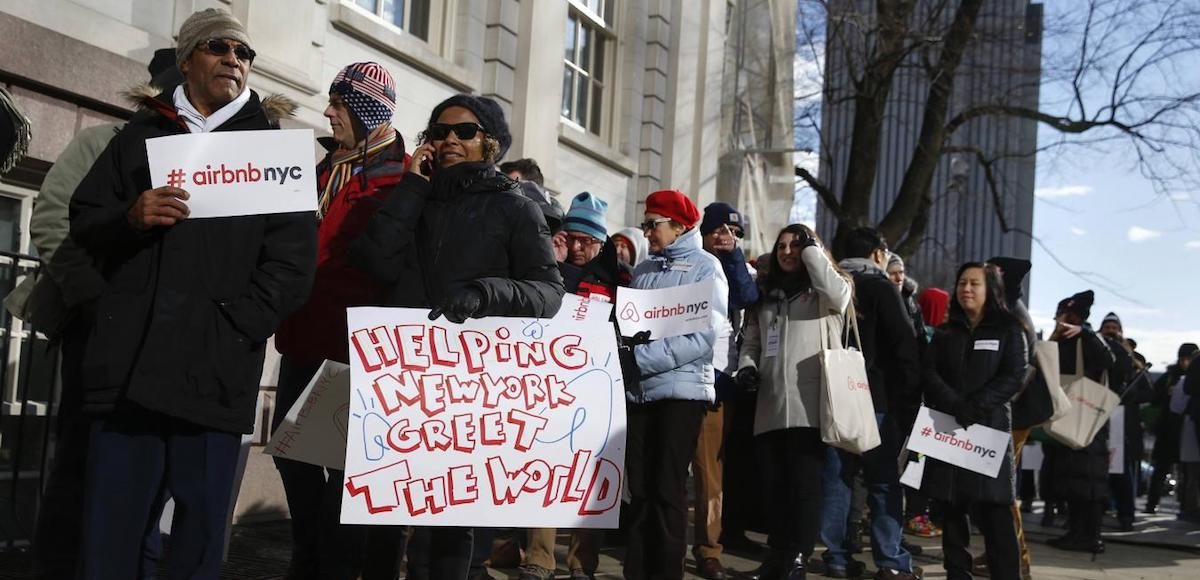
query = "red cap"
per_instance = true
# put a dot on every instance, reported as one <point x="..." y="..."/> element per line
<point x="672" y="204"/>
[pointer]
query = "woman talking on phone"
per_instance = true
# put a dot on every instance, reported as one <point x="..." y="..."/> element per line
<point x="974" y="366"/>
<point x="457" y="236"/>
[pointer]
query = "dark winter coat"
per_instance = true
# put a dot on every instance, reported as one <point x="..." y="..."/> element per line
<point x="889" y="344"/>
<point x="1082" y="475"/>
<point x="1166" y="429"/>
<point x="182" y="324"/>
<point x="468" y="226"/>
<point x="956" y="370"/>
<point x="318" y="330"/>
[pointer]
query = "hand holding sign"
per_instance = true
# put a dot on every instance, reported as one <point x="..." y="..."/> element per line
<point x="161" y="206"/>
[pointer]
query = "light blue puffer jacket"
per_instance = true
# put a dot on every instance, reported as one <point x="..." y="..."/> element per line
<point x="679" y="367"/>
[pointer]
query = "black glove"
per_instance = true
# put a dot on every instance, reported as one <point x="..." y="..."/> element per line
<point x="460" y="306"/>
<point x="748" y="378"/>
<point x="642" y="337"/>
<point x="966" y="414"/>
<point x="807" y="241"/>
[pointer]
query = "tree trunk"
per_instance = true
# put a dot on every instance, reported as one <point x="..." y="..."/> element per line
<point x="900" y="219"/>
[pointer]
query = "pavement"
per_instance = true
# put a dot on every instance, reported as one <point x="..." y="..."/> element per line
<point x="1160" y="547"/>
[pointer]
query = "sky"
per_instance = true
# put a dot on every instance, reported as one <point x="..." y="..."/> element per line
<point x="1096" y="214"/>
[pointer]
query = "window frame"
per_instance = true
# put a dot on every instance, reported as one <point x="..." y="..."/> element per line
<point x="607" y="33"/>
<point x="433" y="28"/>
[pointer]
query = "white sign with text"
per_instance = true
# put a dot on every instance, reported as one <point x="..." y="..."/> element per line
<point x="666" y="312"/>
<point x="236" y="173"/>
<point x="314" y="430"/>
<point x="513" y="421"/>
<point x="977" y="448"/>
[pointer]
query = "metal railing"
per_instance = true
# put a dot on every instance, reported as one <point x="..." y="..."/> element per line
<point x="28" y="405"/>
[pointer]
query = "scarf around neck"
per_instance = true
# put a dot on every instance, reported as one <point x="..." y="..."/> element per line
<point x="344" y="162"/>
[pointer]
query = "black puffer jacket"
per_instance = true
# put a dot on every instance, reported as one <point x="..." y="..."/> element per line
<point x="957" y="369"/>
<point x="1083" y="474"/>
<point x="182" y="324"/>
<point x="469" y="225"/>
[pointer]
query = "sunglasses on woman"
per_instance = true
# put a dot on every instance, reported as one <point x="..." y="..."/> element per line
<point x="220" y="47"/>
<point x="464" y="131"/>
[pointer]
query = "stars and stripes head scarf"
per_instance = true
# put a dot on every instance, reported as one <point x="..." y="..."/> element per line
<point x="370" y="93"/>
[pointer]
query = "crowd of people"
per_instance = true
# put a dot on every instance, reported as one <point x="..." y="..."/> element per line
<point x="164" y="322"/>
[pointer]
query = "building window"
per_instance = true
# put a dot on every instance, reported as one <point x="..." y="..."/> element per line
<point x="411" y="16"/>
<point x="586" y="66"/>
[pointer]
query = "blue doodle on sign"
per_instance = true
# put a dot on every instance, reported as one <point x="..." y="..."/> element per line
<point x="579" y="417"/>
<point x="534" y="329"/>
<point x="371" y="442"/>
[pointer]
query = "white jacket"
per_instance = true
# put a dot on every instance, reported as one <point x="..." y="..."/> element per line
<point x="790" y="393"/>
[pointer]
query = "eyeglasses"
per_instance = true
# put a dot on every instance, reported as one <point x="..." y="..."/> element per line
<point x="464" y="131"/>
<point x="729" y="230"/>
<point x="583" y="240"/>
<point x="651" y="224"/>
<point x="220" y="47"/>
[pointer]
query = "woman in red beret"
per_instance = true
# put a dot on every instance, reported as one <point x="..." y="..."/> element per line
<point x="676" y="386"/>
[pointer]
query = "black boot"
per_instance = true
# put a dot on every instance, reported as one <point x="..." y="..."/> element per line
<point x="796" y="571"/>
<point x="775" y="568"/>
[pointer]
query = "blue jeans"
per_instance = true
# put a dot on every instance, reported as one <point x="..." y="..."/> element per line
<point x="884" y="497"/>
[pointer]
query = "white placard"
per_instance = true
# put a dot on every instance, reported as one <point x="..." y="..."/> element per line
<point x="1116" y="441"/>
<point x="666" y="312"/>
<point x="499" y="421"/>
<point x="1032" y="456"/>
<point x="977" y="448"/>
<point x="234" y="173"/>
<point x="914" y="472"/>
<point x="314" y="430"/>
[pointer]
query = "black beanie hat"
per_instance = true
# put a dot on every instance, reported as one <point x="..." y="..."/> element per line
<point x="490" y="116"/>
<point x="1187" y="349"/>
<point x="1080" y="304"/>
<point x="1015" y="270"/>
<point x="164" y="74"/>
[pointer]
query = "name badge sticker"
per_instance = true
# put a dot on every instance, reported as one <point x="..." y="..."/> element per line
<point x="992" y="345"/>
<point x="772" y="348"/>
<point x="681" y="266"/>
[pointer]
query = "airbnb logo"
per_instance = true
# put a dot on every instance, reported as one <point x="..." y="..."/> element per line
<point x="223" y="175"/>
<point x="853" y="385"/>
<point x="630" y="313"/>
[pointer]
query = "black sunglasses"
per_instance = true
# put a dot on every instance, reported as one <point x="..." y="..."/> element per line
<point x="221" y="48"/>
<point x="464" y="131"/>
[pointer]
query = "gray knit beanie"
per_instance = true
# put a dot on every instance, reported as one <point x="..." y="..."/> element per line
<point x="204" y="25"/>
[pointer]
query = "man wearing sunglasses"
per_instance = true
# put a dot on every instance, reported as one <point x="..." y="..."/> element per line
<point x="172" y="362"/>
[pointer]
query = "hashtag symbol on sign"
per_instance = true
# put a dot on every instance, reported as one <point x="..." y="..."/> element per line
<point x="926" y="431"/>
<point x="175" y="178"/>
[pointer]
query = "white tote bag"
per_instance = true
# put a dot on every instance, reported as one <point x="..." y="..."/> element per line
<point x="847" y="411"/>
<point x="1046" y="352"/>
<point x="1091" y="405"/>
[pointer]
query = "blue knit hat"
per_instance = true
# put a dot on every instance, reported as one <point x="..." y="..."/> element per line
<point x="586" y="216"/>
<point x="719" y="213"/>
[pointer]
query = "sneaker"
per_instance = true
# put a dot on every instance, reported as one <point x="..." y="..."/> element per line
<point x="531" y="572"/>
<point x="921" y="526"/>
<point x="579" y="574"/>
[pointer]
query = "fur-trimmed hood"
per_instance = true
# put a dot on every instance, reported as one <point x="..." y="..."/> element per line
<point x="146" y="96"/>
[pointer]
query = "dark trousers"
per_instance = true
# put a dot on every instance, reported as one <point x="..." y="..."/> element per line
<point x="440" y="553"/>
<point x="136" y="456"/>
<point x="58" y="537"/>
<point x="322" y="548"/>
<point x="1124" y="490"/>
<point x="794" y="460"/>
<point x="744" y="500"/>
<point x="995" y="521"/>
<point x="1084" y="518"/>
<point x="661" y="443"/>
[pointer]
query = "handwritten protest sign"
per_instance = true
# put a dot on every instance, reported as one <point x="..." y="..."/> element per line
<point x="977" y="448"/>
<point x="234" y="173"/>
<point x="496" y="421"/>
<point x="314" y="430"/>
<point x="665" y="312"/>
